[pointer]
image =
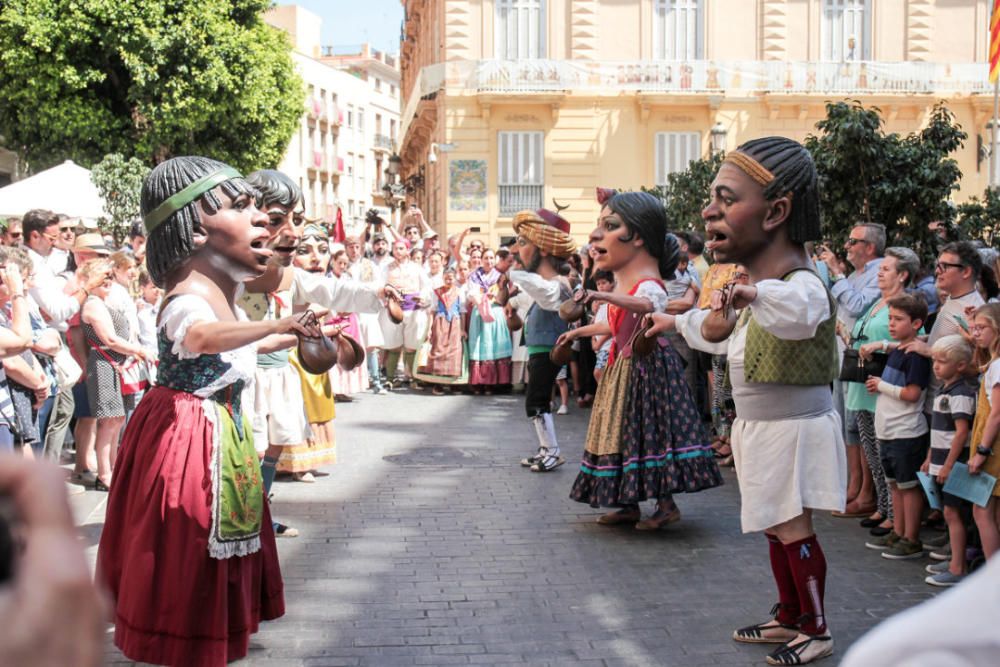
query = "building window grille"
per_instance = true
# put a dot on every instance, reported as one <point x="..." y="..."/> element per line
<point x="520" y="180"/>
<point x="674" y="152"/>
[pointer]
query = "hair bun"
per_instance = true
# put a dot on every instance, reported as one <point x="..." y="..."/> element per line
<point x="671" y="256"/>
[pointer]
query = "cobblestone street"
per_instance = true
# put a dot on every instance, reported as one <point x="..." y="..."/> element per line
<point x="429" y="545"/>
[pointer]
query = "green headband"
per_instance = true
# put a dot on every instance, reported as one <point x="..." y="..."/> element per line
<point x="190" y="193"/>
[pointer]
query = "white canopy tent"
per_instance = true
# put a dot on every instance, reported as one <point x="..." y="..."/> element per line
<point x="65" y="189"/>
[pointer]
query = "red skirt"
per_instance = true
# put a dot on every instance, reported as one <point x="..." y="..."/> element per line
<point x="174" y="604"/>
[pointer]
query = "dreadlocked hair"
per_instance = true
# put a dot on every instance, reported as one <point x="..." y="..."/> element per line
<point x="795" y="174"/>
<point x="172" y="241"/>
<point x="645" y="215"/>
<point x="275" y="187"/>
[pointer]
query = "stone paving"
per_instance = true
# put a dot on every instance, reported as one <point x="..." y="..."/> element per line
<point x="428" y="545"/>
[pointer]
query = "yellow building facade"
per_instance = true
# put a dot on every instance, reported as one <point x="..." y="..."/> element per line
<point x="511" y="104"/>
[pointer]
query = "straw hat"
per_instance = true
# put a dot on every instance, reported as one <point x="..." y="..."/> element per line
<point x="93" y="242"/>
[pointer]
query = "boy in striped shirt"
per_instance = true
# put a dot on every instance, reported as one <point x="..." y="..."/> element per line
<point x="951" y="421"/>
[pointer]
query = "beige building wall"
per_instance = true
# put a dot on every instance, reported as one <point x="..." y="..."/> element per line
<point x="761" y="71"/>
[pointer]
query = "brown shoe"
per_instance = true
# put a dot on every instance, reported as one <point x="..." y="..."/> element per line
<point x="619" y="517"/>
<point x="659" y="519"/>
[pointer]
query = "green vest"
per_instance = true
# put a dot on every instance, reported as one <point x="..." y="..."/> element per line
<point x="772" y="360"/>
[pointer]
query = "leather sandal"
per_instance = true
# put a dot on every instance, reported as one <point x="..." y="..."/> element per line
<point x="547" y="463"/>
<point x="802" y="650"/>
<point x="770" y="631"/>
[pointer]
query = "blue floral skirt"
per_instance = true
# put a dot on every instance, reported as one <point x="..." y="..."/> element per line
<point x="645" y="440"/>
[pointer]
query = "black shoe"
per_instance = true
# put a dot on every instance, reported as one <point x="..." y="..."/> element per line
<point x="870" y="522"/>
<point x="879" y="531"/>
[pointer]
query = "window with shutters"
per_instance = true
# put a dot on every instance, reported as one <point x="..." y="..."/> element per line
<point x="677" y="29"/>
<point x="520" y="29"/>
<point x="846" y="30"/>
<point x="520" y="177"/>
<point x="674" y="152"/>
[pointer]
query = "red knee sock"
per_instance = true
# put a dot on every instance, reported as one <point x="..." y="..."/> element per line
<point x="788" y="598"/>
<point x="808" y="565"/>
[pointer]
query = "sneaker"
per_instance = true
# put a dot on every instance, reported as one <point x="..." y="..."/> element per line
<point x="563" y="410"/>
<point x="939" y="540"/>
<point x="74" y="489"/>
<point x="945" y="579"/>
<point x="883" y="542"/>
<point x="378" y="390"/>
<point x="904" y="549"/>
<point x="942" y="554"/>
<point x="937" y="568"/>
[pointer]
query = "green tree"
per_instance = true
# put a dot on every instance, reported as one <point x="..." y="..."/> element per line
<point x="902" y="182"/>
<point x="688" y="192"/>
<point x="980" y="218"/>
<point x="145" y="78"/>
<point x="119" y="181"/>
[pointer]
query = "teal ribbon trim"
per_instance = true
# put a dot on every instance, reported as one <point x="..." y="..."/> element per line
<point x="190" y="193"/>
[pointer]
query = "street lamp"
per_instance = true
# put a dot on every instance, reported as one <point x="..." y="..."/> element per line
<point x="717" y="136"/>
<point x="394" y="162"/>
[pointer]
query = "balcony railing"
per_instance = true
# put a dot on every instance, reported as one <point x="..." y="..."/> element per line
<point x="696" y="76"/>
<point x="383" y="141"/>
<point x="711" y="76"/>
<point x="514" y="198"/>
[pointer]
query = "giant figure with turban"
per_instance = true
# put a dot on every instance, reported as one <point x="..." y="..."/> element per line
<point x="543" y="244"/>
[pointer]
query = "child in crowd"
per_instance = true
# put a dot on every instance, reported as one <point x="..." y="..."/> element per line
<point x="986" y="425"/>
<point x="148" y="312"/>
<point x="605" y="282"/>
<point x="951" y="420"/>
<point x="901" y="428"/>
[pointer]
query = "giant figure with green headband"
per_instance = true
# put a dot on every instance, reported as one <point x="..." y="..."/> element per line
<point x="188" y="550"/>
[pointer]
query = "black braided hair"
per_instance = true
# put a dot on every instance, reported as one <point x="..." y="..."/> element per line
<point x="795" y="173"/>
<point x="645" y="215"/>
<point x="172" y="241"/>
<point x="275" y="187"/>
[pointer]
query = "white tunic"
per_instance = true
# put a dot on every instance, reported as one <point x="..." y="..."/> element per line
<point x="790" y="462"/>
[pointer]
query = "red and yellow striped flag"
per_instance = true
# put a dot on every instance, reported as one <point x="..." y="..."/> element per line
<point x="995" y="42"/>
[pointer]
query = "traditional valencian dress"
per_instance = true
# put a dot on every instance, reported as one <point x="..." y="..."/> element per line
<point x="446" y="358"/>
<point x="188" y="550"/>
<point x="645" y="439"/>
<point x="490" y="347"/>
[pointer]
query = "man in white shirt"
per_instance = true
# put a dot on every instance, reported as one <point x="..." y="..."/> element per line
<point x="41" y="231"/>
<point x="59" y="256"/>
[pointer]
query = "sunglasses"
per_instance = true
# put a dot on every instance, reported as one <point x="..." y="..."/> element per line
<point x="853" y="242"/>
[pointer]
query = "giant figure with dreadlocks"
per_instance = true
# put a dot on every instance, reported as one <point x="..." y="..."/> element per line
<point x="543" y="244"/>
<point x="786" y="439"/>
<point x="187" y="551"/>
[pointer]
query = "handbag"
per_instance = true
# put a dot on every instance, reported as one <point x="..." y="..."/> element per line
<point x="854" y="368"/>
<point x="133" y="377"/>
<point x="68" y="372"/>
<point x="132" y="374"/>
